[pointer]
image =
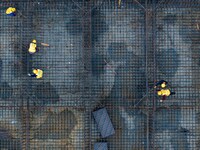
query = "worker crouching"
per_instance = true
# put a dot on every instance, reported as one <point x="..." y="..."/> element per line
<point x="163" y="90"/>
<point x="33" y="47"/>
<point x="11" y="11"/>
<point x="37" y="73"/>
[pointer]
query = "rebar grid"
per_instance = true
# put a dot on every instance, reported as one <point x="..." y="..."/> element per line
<point x="102" y="53"/>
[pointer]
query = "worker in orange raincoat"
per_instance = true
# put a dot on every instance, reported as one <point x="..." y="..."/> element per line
<point x="37" y="73"/>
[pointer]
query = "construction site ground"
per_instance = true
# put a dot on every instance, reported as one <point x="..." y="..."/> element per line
<point x="101" y="53"/>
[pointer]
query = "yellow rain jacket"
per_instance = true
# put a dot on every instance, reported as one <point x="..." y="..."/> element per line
<point x="38" y="72"/>
<point x="32" y="47"/>
<point x="10" y="10"/>
<point x="163" y="92"/>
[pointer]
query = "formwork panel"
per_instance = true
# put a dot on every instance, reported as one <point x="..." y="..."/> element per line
<point x="51" y="111"/>
<point x="59" y="25"/>
<point x="177" y="33"/>
<point x="118" y="69"/>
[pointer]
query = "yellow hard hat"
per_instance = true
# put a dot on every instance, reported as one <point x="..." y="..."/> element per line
<point x="163" y="85"/>
<point x="34" y="41"/>
<point x="159" y="93"/>
<point x="35" y="71"/>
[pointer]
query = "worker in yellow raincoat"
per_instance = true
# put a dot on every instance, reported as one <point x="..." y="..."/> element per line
<point x="164" y="93"/>
<point x="32" y="47"/>
<point x="11" y="11"/>
<point x="37" y="73"/>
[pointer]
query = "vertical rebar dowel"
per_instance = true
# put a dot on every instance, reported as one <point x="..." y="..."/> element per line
<point x="146" y="70"/>
<point x="86" y="45"/>
<point x="27" y="85"/>
<point x="154" y="69"/>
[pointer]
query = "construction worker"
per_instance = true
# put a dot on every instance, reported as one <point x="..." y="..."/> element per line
<point x="161" y="83"/>
<point x="33" y="47"/>
<point x="11" y="11"/>
<point x="164" y="93"/>
<point x="37" y="73"/>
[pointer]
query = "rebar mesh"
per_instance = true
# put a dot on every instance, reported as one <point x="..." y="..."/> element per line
<point x="101" y="54"/>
